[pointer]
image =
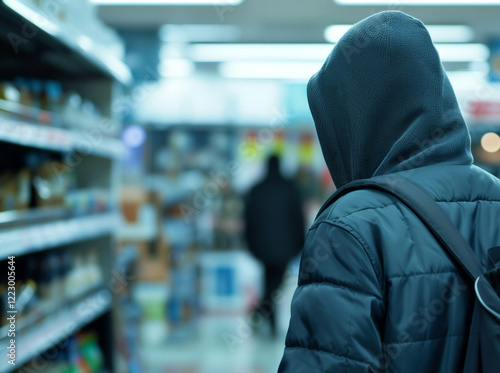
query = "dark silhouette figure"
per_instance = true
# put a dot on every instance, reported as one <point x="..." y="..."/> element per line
<point x="274" y="230"/>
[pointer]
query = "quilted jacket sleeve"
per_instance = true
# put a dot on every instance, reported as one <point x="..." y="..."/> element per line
<point x="338" y="308"/>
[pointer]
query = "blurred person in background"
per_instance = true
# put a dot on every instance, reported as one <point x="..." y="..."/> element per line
<point x="376" y="291"/>
<point x="274" y="230"/>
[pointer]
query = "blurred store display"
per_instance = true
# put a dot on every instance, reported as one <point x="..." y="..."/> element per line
<point x="195" y="266"/>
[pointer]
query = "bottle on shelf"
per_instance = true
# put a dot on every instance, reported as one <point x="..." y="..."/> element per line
<point x="3" y="304"/>
<point x="45" y="279"/>
<point x="9" y="92"/>
<point x="27" y="300"/>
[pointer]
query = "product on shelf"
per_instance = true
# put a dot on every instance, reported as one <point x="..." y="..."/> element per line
<point x="35" y="99"/>
<point x="48" y="276"/>
<point x="43" y="101"/>
<point x="35" y="86"/>
<point x="151" y="297"/>
<point x="23" y="86"/>
<point x="132" y="198"/>
<point x="9" y="92"/>
<point x="55" y="186"/>
<point x="49" y="280"/>
<point x="15" y="190"/>
<point x="93" y="272"/>
<point x="182" y="307"/>
<point x="23" y="195"/>
<point x="72" y="103"/>
<point x="76" y="277"/>
<point x="85" y="201"/>
<point x="229" y="280"/>
<point x="90" y="352"/>
<point x="90" y="113"/>
<point x="50" y="185"/>
<point x="53" y="96"/>
<point x="3" y="304"/>
<point x="67" y="258"/>
<point x="25" y="291"/>
<point x="152" y="265"/>
<point x="28" y="298"/>
<point x="8" y="190"/>
<point x="85" y="273"/>
<point x="78" y="354"/>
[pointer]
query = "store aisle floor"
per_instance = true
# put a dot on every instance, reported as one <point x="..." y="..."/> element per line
<point x="223" y="345"/>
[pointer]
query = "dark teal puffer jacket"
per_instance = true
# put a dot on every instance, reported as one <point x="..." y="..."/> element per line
<point x="376" y="292"/>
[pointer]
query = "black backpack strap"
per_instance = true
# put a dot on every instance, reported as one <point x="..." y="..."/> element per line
<point x="429" y="212"/>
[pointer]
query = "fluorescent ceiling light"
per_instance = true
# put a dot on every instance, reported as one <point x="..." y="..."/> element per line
<point x="269" y="70"/>
<point x="176" y="67"/>
<point x="450" y="33"/>
<point x="479" y="66"/>
<point x="167" y="2"/>
<point x="467" y="80"/>
<point x="418" y="2"/>
<point x="311" y="52"/>
<point x="463" y="52"/>
<point x="199" y="33"/>
<point x="333" y="33"/>
<point x="303" y="70"/>
<point x="439" y="33"/>
<point x="230" y="52"/>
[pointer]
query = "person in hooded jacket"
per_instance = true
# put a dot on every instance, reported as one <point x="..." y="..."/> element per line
<point x="274" y="230"/>
<point x="376" y="292"/>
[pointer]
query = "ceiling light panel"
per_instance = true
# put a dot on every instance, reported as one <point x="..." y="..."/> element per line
<point x="465" y="52"/>
<point x="176" y="67"/>
<point x="167" y="2"/>
<point x="199" y="33"/>
<point x="229" y="52"/>
<point x="418" y="2"/>
<point x="269" y="70"/>
<point x="472" y="52"/>
<point x="439" y="33"/>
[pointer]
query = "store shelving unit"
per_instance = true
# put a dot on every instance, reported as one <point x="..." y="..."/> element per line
<point x="31" y="238"/>
<point x="60" y="325"/>
<point x="58" y="51"/>
<point x="73" y="45"/>
<point x="26" y="132"/>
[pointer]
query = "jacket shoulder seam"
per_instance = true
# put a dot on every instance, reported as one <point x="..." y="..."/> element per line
<point x="404" y="218"/>
<point x="423" y="274"/>
<point x="427" y="339"/>
<point x="468" y="200"/>
<point x="327" y="219"/>
<point x="336" y="353"/>
<point x="341" y="285"/>
<point x="364" y="245"/>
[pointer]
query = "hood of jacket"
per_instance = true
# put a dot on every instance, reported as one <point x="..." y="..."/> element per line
<point x="382" y="102"/>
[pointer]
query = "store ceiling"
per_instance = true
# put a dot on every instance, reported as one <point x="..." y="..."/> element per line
<point x="297" y="21"/>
